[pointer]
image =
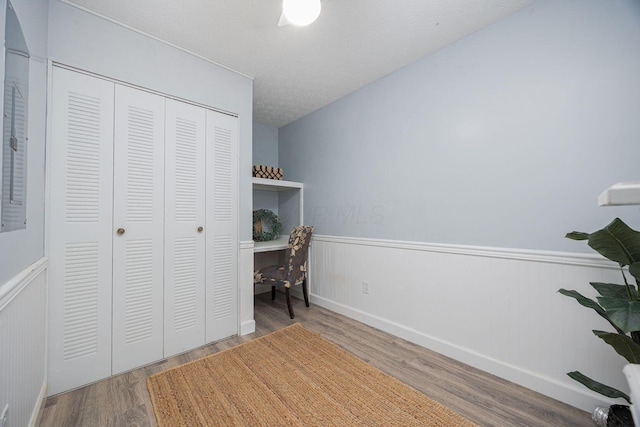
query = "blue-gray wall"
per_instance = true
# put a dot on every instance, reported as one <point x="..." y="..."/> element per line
<point x="21" y="248"/>
<point x="265" y="152"/>
<point x="503" y="139"/>
<point x="265" y="145"/>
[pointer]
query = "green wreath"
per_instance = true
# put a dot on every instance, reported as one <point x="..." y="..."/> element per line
<point x="261" y="215"/>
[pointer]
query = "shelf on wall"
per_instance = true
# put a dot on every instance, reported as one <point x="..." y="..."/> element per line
<point x="275" y="184"/>
<point x="622" y="193"/>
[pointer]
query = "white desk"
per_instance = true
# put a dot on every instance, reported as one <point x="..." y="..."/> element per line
<point x="273" y="245"/>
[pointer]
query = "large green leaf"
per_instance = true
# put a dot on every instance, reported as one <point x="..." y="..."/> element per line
<point x="577" y="235"/>
<point x="622" y="344"/>
<point x="598" y="387"/>
<point x="634" y="269"/>
<point x="614" y="291"/>
<point x="623" y="313"/>
<point x="589" y="303"/>
<point x="617" y="242"/>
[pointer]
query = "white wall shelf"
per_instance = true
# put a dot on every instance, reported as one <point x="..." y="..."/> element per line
<point x="622" y="193"/>
<point x="275" y="184"/>
<point x="287" y="200"/>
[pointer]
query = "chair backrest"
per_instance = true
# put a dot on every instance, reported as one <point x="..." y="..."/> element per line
<point x="295" y="258"/>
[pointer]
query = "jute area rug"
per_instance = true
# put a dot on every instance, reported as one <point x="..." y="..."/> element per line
<point x="291" y="377"/>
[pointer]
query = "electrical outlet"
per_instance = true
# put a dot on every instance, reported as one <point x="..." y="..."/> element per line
<point x="4" y="417"/>
<point x="365" y="287"/>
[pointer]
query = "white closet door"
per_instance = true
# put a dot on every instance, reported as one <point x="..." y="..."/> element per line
<point x="184" y="216"/>
<point x="80" y="230"/>
<point x="138" y="213"/>
<point x="222" y="226"/>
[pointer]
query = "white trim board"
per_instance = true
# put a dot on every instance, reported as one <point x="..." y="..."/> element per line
<point x="34" y="421"/>
<point x="248" y="327"/>
<point x="246" y="244"/>
<point x="13" y="287"/>
<point x="245" y="283"/>
<point x="567" y="258"/>
<point x="495" y="309"/>
<point x="140" y="88"/>
<point x="128" y="27"/>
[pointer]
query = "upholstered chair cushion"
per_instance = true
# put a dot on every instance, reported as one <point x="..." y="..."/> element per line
<point x="294" y="270"/>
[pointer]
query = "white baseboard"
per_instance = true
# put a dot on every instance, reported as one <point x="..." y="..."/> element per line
<point x="248" y="327"/>
<point x="37" y="410"/>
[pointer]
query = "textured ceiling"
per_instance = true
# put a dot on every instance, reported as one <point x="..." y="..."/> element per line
<point x="298" y="70"/>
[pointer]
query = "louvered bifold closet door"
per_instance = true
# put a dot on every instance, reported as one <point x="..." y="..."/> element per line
<point x="184" y="227"/>
<point x="222" y="226"/>
<point x="138" y="218"/>
<point x="81" y="191"/>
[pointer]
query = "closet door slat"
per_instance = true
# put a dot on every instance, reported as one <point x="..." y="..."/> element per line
<point x="138" y="210"/>
<point x="184" y="217"/>
<point x="80" y="225"/>
<point x="222" y="226"/>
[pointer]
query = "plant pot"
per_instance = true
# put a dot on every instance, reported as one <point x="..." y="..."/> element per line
<point x="614" y="416"/>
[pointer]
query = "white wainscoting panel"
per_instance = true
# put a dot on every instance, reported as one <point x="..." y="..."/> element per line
<point x="247" y="322"/>
<point x="22" y="344"/>
<point x="495" y="309"/>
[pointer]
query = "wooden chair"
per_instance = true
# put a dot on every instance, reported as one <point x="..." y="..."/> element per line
<point x="294" y="270"/>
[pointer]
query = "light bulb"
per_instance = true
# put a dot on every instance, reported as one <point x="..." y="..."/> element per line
<point x="301" y="12"/>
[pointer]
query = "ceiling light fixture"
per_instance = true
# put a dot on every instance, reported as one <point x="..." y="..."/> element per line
<point x="300" y="12"/>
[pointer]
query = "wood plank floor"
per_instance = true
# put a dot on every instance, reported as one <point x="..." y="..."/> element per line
<point x="123" y="400"/>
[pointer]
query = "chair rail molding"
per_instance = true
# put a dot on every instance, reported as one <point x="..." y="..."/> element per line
<point x="567" y="258"/>
<point x="13" y="287"/>
<point x="246" y="244"/>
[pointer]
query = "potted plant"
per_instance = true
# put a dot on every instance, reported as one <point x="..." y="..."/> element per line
<point x="618" y="304"/>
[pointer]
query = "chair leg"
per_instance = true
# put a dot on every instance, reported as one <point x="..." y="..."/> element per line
<point x="289" y="302"/>
<point x="305" y="291"/>
<point x="273" y="293"/>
